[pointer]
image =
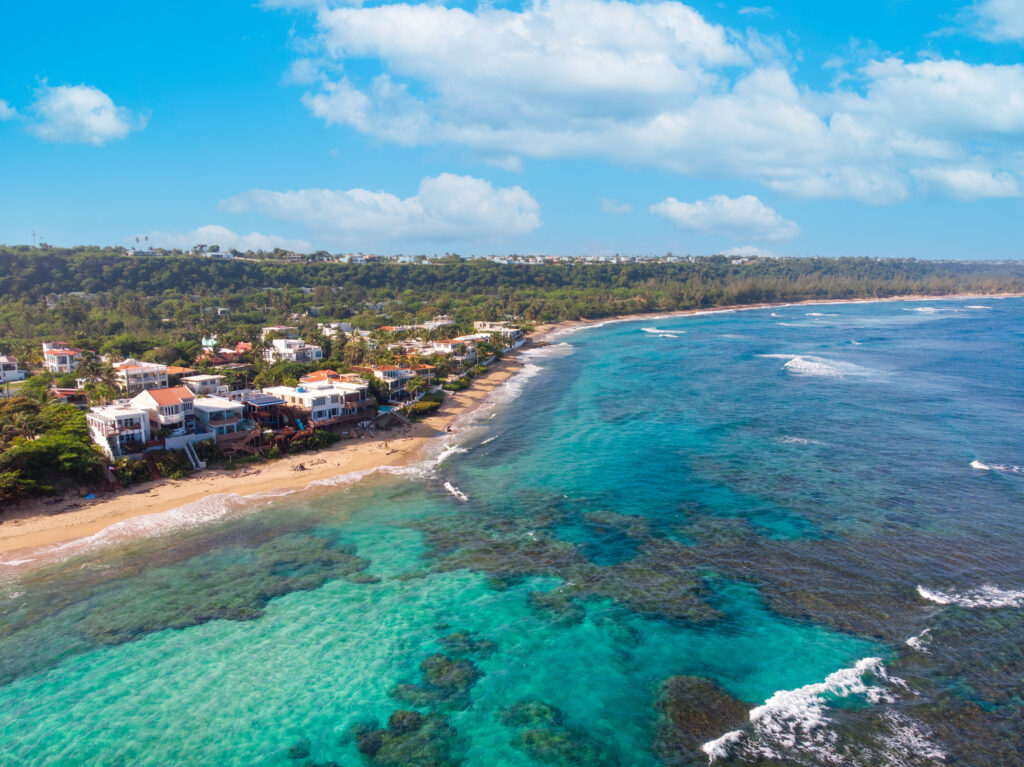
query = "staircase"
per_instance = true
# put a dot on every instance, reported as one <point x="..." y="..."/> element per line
<point x="193" y="457"/>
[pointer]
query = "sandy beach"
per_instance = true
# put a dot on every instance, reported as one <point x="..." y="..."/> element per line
<point x="47" y="522"/>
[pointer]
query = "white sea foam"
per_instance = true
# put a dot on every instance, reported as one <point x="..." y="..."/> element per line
<point x="793" y="724"/>
<point x="664" y="333"/>
<point x="720" y="748"/>
<point x="924" y="309"/>
<point x="986" y="596"/>
<point x="489" y="440"/>
<point x="1001" y="468"/>
<point x="790" y="440"/>
<point x="918" y="642"/>
<point x="806" y="365"/>
<point x="456" y="492"/>
<point x="820" y="314"/>
<point x="977" y="307"/>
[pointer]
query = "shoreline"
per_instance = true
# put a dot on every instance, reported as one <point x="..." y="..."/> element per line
<point x="544" y="333"/>
<point x="40" y="525"/>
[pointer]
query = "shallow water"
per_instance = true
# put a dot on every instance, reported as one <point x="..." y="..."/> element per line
<point x="717" y="530"/>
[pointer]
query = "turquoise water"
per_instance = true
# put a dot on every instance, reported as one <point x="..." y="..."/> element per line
<point x="674" y="522"/>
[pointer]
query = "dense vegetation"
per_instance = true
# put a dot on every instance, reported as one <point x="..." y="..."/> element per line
<point x="138" y="303"/>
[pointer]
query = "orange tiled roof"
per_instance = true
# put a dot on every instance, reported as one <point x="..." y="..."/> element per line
<point x="172" y="396"/>
<point x="319" y="375"/>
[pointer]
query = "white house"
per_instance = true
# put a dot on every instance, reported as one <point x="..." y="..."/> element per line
<point x="396" y="377"/>
<point x="328" y="401"/>
<point x="292" y="350"/>
<point x="120" y="429"/>
<point x="59" y="358"/>
<point x="172" y="408"/>
<point x="219" y="415"/>
<point x="134" y="376"/>
<point x="288" y="331"/>
<point x="332" y="329"/>
<point x="9" y="369"/>
<point x="206" y="385"/>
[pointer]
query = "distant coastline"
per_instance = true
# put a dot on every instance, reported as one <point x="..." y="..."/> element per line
<point x="42" y="524"/>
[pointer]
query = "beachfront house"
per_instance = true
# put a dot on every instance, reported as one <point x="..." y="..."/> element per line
<point x="279" y="331"/>
<point x="171" y="411"/>
<point x="134" y="376"/>
<point x="502" y="328"/>
<point x="292" y="350"/>
<point x="394" y="377"/>
<point x="120" y="429"/>
<point x="206" y="385"/>
<point x="9" y="370"/>
<point x="219" y="415"/>
<point x="59" y="358"/>
<point x="262" y="408"/>
<point x="327" y="402"/>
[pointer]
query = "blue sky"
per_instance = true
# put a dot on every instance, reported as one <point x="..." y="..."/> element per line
<point x="879" y="128"/>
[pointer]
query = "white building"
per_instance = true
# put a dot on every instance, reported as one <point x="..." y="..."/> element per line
<point x="120" y="429"/>
<point x="292" y="350"/>
<point x="59" y="358"/>
<point x="328" y="401"/>
<point x="396" y="377"/>
<point x="134" y="376"/>
<point x="9" y="370"/>
<point x="440" y="321"/>
<point x="288" y="331"/>
<point x="172" y="409"/>
<point x="332" y="329"/>
<point x="219" y="415"/>
<point x="206" y="385"/>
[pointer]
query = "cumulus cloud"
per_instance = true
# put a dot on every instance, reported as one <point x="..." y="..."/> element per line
<point x="654" y="84"/>
<point x="214" y="234"/>
<point x="969" y="182"/>
<point x="7" y="112"/>
<point x="720" y="214"/>
<point x="80" y="114"/>
<point x="445" y="206"/>
<point x="999" y="20"/>
<point x="616" y="207"/>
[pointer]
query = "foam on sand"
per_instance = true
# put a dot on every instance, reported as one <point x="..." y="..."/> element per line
<point x="987" y="596"/>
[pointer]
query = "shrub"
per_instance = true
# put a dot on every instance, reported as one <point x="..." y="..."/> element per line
<point x="209" y="451"/>
<point x="320" y="438"/>
<point x="130" y="472"/>
<point x="174" y="464"/>
<point x="422" y="409"/>
<point x="457" y="385"/>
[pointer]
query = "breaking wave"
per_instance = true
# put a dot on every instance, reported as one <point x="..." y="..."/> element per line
<point x="977" y="307"/>
<point x="987" y="596"/>
<point x="790" y="440"/>
<point x="809" y="366"/>
<point x="1001" y="468"/>
<point x="663" y="333"/>
<point x="792" y="726"/>
<point x="917" y="642"/>
<point x="456" y="492"/>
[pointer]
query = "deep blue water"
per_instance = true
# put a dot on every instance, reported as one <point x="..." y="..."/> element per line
<point x="716" y="529"/>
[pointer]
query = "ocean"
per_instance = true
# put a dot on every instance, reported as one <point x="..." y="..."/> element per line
<point x="786" y="536"/>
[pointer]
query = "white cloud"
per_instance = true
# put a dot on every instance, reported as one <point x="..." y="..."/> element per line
<point x="999" y="20"/>
<point x="446" y="206"/>
<point x="510" y="162"/>
<point x="969" y="182"/>
<point x="616" y="207"/>
<point x="751" y="10"/>
<point x="80" y="114"/>
<point x="214" y="234"/>
<point x="7" y="112"/>
<point x="655" y="84"/>
<point x="719" y="214"/>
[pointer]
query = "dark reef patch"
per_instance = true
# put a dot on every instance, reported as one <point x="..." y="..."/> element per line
<point x="411" y="739"/>
<point x="446" y="684"/>
<point x="692" y="711"/>
<point x="544" y="736"/>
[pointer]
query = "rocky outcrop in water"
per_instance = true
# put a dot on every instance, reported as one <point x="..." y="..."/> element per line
<point x="692" y="711"/>
<point x="446" y="684"/>
<point x="410" y="738"/>
<point x="542" y="733"/>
